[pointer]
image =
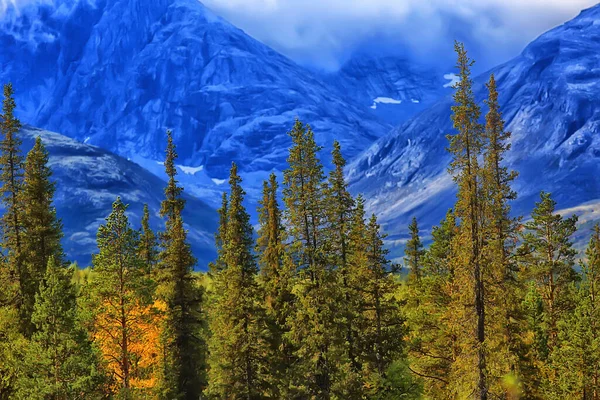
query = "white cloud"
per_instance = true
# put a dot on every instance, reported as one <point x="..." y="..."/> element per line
<point x="323" y="32"/>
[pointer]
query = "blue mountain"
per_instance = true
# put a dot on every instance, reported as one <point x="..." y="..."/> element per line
<point x="550" y="98"/>
<point x="89" y="179"/>
<point x="117" y="73"/>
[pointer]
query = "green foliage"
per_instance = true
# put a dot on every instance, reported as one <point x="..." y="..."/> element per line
<point x="60" y="361"/>
<point x="183" y="357"/>
<point x="238" y="346"/>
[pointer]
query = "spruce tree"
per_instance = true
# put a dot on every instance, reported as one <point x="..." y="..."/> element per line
<point x="120" y="298"/>
<point x="61" y="362"/>
<point x="339" y="208"/>
<point x="276" y="278"/>
<point x="182" y="358"/>
<point x="414" y="251"/>
<point x="312" y="328"/>
<point x="41" y="229"/>
<point x="548" y="259"/>
<point x="500" y="233"/>
<point x="466" y="148"/>
<point x="577" y="358"/>
<point x="381" y="324"/>
<point x="13" y="274"/>
<point x="433" y="344"/>
<point x="237" y="347"/>
<point x="148" y="250"/>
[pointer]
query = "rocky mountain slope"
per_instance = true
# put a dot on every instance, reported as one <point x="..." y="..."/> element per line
<point x="550" y="98"/>
<point x="88" y="180"/>
<point x="117" y="73"/>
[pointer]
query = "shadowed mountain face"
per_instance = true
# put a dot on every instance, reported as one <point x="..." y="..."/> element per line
<point x="117" y="73"/>
<point x="550" y="98"/>
<point x="89" y="179"/>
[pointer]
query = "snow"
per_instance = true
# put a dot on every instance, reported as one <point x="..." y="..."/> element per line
<point x="190" y="170"/>
<point x="384" y="100"/>
<point x="415" y="101"/>
<point x="453" y="78"/>
<point x="219" y="181"/>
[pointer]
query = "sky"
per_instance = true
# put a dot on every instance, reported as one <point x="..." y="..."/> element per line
<point x="324" y="33"/>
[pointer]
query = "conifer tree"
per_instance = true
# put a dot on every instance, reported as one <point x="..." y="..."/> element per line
<point x="41" y="229"/>
<point x="414" y="251"/>
<point x="182" y="358"/>
<point x="548" y="258"/>
<point x="339" y="208"/>
<point x="148" y="250"/>
<point x="276" y="278"/>
<point x="237" y="347"/>
<point x="121" y="298"/>
<point x="14" y="274"/>
<point x="500" y="233"/>
<point x="61" y="362"/>
<point x="432" y="338"/>
<point x="577" y="358"/>
<point x="216" y="266"/>
<point x="312" y="329"/>
<point x="466" y="148"/>
<point x="381" y="325"/>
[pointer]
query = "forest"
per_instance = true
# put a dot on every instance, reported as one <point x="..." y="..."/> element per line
<point x="308" y="306"/>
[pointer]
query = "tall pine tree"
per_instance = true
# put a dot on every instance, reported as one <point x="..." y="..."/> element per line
<point x="313" y="328"/>
<point x="41" y="229"/>
<point x="276" y="279"/>
<point x="182" y="358"/>
<point x="148" y="249"/>
<point x="466" y="148"/>
<point x="237" y="347"/>
<point x="414" y="251"/>
<point x="14" y="274"/>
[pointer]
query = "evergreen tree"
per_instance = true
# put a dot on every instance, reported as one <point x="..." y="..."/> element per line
<point x="121" y="297"/>
<point x="500" y="233"/>
<point x="41" y="229"/>
<point x="313" y="328"/>
<point x="466" y="148"/>
<point x="61" y="362"/>
<point x="577" y="358"/>
<point x="182" y="358"/>
<point x="276" y="275"/>
<point x="13" y="274"/>
<point x="548" y="258"/>
<point x="148" y="249"/>
<point x="237" y="346"/>
<point x="380" y="325"/>
<point x="414" y="251"/>
<point x="220" y="236"/>
<point x="339" y="208"/>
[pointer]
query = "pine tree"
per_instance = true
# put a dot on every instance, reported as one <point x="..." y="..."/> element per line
<point x="466" y="148"/>
<point x="433" y="343"/>
<point x="182" y="358"/>
<point x="148" y="250"/>
<point x="381" y="325"/>
<point x="61" y="362"/>
<point x="548" y="258"/>
<point x="500" y="233"/>
<point x="339" y="208"/>
<point x="41" y="229"/>
<point x="276" y="275"/>
<point x="312" y="329"/>
<point x="577" y="358"/>
<point x="121" y="298"/>
<point x="237" y="346"/>
<point x="14" y="274"/>
<point x="414" y="251"/>
<point x="217" y="266"/>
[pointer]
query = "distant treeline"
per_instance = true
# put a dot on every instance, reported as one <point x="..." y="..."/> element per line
<point x="311" y="308"/>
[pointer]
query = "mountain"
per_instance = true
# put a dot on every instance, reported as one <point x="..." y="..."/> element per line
<point x="393" y="88"/>
<point x="88" y="180"/>
<point x="550" y="98"/>
<point x="117" y="73"/>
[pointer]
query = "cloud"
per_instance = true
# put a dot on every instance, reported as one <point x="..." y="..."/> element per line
<point x="323" y="33"/>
